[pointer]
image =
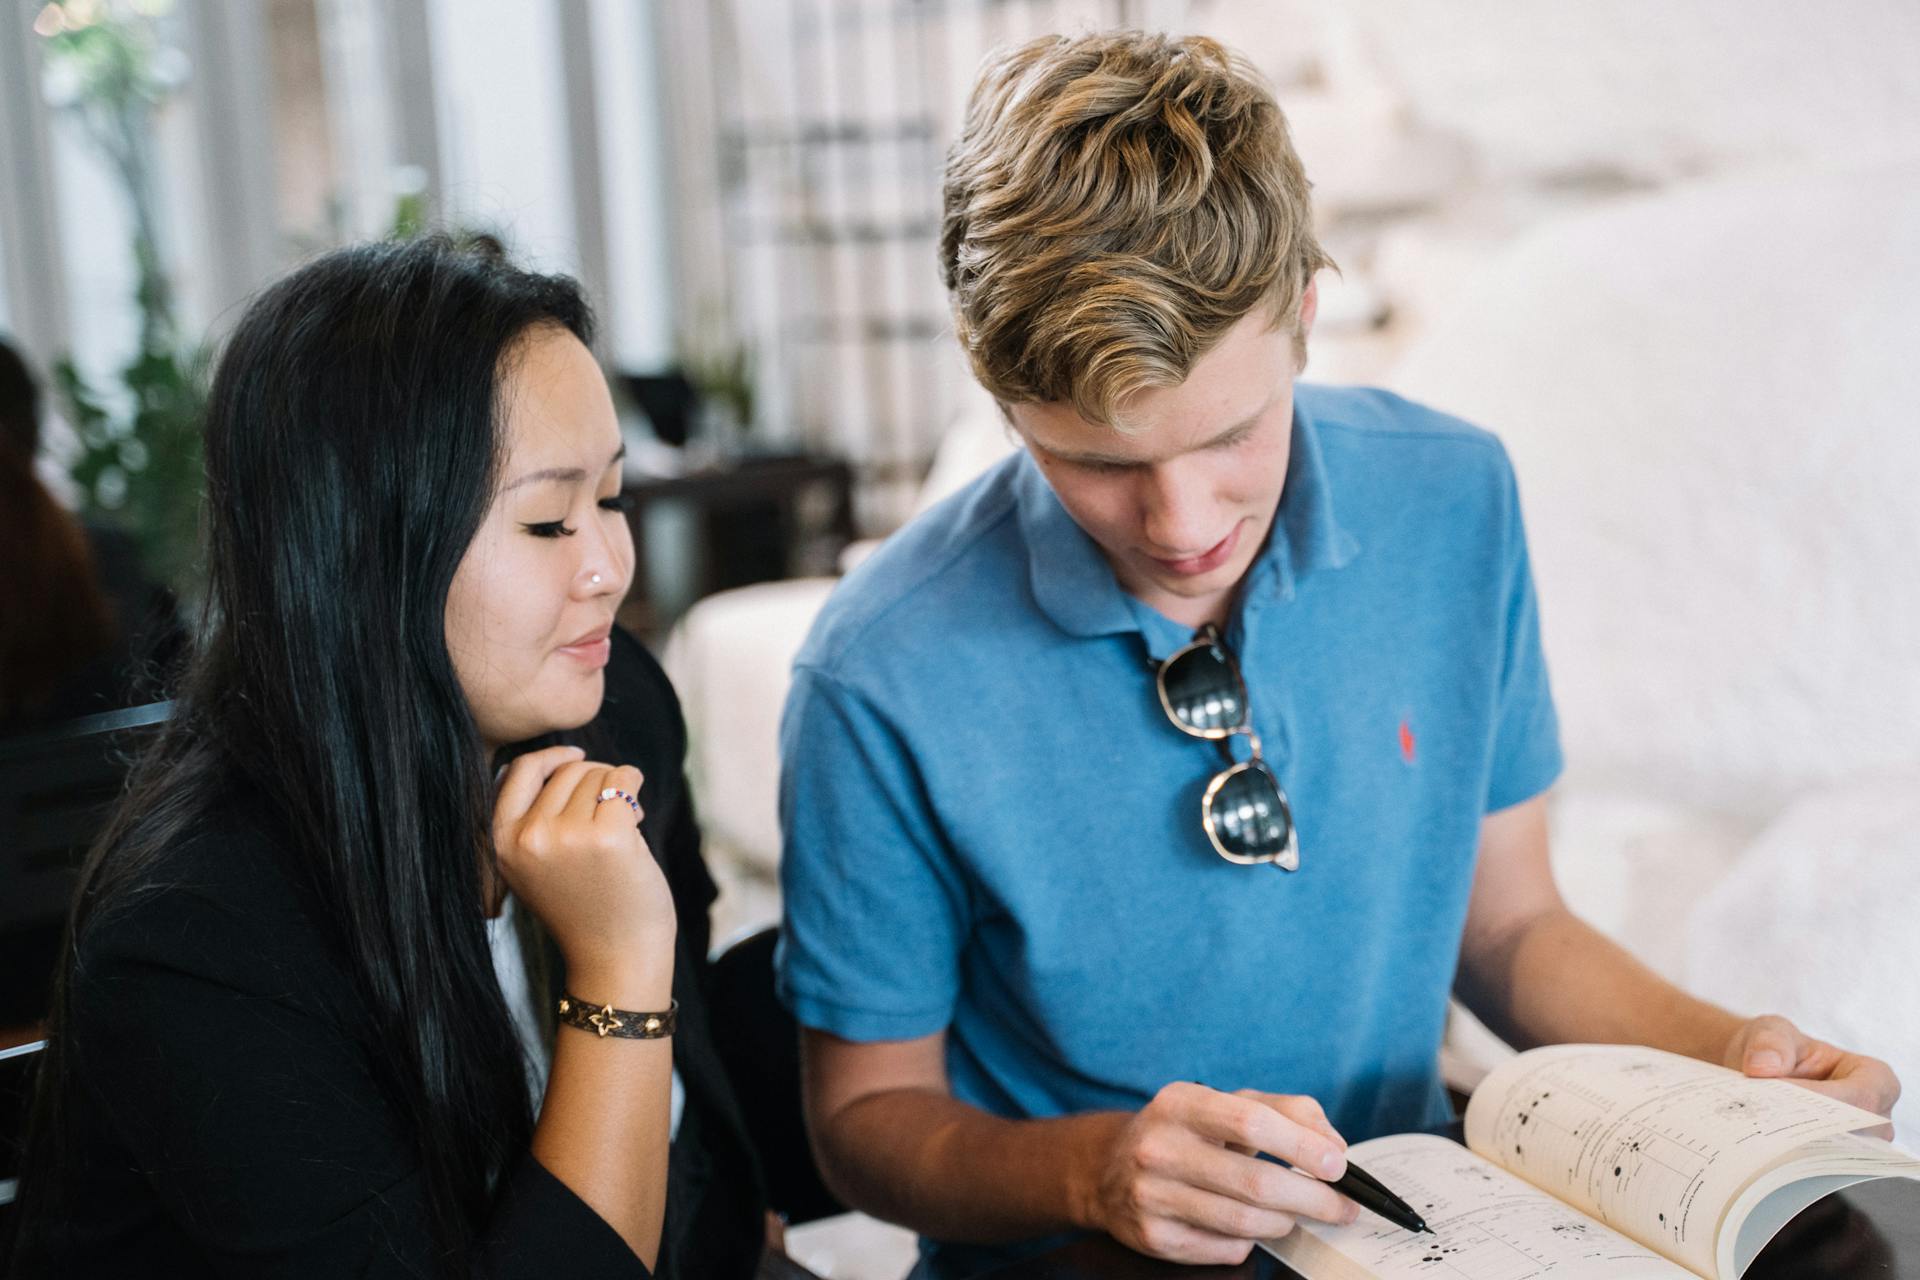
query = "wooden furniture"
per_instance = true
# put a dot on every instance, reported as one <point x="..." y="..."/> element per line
<point x="758" y="519"/>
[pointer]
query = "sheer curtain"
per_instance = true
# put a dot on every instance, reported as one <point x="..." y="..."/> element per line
<point x="808" y="138"/>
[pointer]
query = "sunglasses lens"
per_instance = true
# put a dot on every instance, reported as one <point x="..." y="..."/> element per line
<point x="1204" y="692"/>
<point x="1250" y="814"/>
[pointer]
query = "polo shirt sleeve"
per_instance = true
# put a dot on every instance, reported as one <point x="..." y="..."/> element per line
<point x="876" y="910"/>
<point x="1526" y="745"/>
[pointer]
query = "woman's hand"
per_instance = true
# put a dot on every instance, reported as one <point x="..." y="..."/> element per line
<point x="581" y="866"/>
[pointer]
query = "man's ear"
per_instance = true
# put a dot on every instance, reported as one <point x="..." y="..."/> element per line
<point x="1309" y="307"/>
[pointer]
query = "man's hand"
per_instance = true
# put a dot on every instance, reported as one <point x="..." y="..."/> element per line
<point x="1180" y="1180"/>
<point x="1773" y="1047"/>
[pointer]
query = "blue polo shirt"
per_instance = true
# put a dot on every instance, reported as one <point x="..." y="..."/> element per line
<point x="992" y="828"/>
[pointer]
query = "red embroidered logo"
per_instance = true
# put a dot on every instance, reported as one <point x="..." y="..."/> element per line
<point x="1406" y="742"/>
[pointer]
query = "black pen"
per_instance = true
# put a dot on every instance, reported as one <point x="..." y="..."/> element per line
<point x="1367" y="1191"/>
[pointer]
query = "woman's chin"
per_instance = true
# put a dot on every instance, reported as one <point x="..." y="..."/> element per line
<point x="561" y="719"/>
<point x="550" y="710"/>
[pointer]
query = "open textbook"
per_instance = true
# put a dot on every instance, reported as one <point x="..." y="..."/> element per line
<point x="1603" y="1161"/>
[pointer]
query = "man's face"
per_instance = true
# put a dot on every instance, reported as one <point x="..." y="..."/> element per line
<point x="1181" y="504"/>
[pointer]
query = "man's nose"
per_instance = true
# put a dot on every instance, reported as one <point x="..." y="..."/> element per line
<point x="1174" y="509"/>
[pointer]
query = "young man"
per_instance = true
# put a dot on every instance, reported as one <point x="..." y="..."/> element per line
<point x="1054" y="970"/>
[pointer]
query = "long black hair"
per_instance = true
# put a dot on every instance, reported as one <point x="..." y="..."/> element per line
<point x="353" y="442"/>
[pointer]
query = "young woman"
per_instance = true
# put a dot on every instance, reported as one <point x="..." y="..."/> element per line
<point x="280" y="1046"/>
<point x="54" y="619"/>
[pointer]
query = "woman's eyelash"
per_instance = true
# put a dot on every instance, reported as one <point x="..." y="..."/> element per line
<point x="561" y="529"/>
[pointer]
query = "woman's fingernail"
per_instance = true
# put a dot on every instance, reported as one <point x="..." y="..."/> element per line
<point x="1330" y="1163"/>
<point x="1765" y="1062"/>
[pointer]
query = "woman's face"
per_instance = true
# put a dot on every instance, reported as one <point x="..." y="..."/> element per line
<point x="533" y="600"/>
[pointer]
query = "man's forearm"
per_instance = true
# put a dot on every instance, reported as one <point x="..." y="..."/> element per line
<point x="1557" y="979"/>
<point x="953" y="1172"/>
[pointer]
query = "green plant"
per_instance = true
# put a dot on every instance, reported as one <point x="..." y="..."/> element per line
<point x="725" y="378"/>
<point x="138" y="463"/>
<point x="719" y="365"/>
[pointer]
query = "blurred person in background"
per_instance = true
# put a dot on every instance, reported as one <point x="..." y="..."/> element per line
<point x="390" y="962"/>
<point x="82" y="628"/>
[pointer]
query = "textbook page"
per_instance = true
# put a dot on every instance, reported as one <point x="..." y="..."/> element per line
<point x="1652" y="1144"/>
<point x="1487" y="1225"/>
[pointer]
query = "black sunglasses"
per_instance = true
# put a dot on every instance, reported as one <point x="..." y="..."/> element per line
<point x="1245" y="811"/>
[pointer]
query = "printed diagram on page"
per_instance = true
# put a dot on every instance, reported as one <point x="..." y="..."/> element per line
<point x="1661" y="1146"/>
<point x="1487" y="1224"/>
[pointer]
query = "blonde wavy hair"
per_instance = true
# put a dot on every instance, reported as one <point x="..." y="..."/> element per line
<point x="1114" y="204"/>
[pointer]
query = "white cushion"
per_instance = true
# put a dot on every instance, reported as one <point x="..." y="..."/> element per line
<point x="852" y="1246"/>
<point x="731" y="660"/>
<point x="1818" y="921"/>
<point x="1632" y="867"/>
<point x="1709" y="399"/>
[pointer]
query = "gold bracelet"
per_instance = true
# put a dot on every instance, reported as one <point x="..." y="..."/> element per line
<point x="605" y="1020"/>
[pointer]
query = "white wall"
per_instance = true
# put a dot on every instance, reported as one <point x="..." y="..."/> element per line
<point x="633" y="165"/>
<point x="502" y="87"/>
<point x="500" y="100"/>
<point x="98" y="258"/>
<point x="1658" y="87"/>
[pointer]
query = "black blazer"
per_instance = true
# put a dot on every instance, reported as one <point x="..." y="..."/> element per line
<point x="227" y="1121"/>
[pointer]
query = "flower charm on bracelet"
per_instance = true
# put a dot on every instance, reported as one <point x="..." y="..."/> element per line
<point x="629" y="1024"/>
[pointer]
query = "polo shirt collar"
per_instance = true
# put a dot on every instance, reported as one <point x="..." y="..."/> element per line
<point x="1076" y="588"/>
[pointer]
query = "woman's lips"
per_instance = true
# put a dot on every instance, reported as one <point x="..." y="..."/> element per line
<point x="592" y="653"/>
<point x="1208" y="560"/>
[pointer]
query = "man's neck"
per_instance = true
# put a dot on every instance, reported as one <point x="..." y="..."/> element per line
<point x="1197" y="611"/>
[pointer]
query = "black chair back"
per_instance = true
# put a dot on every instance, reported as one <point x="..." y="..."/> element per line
<point x="759" y="1045"/>
<point x="16" y="1089"/>
<point x="16" y="1086"/>
<point x="56" y="788"/>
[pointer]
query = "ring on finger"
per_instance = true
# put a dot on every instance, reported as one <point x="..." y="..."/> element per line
<point x="615" y="793"/>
